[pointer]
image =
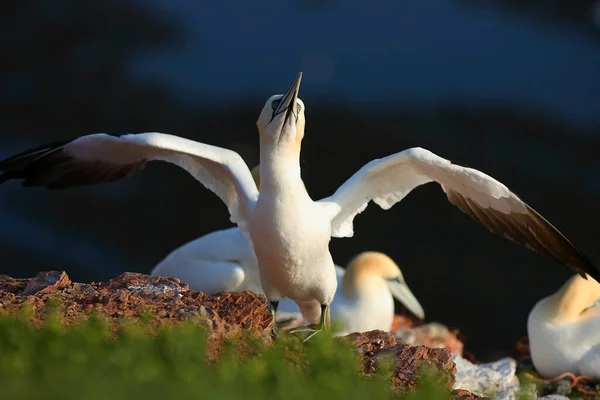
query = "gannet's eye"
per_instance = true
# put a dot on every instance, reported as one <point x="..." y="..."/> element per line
<point x="299" y="108"/>
<point x="275" y="104"/>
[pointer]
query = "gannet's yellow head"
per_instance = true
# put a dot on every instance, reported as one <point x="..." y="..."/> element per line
<point x="282" y="119"/>
<point x="574" y="297"/>
<point x="370" y="265"/>
<point x="256" y="175"/>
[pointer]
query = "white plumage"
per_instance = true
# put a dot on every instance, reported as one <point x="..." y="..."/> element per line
<point x="388" y="180"/>
<point x="564" y="330"/>
<point x="219" y="261"/>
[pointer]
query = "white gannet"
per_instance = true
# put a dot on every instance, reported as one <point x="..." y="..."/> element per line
<point x="564" y="330"/>
<point x="219" y="261"/>
<point x="224" y="260"/>
<point x="291" y="232"/>
<point x="365" y="301"/>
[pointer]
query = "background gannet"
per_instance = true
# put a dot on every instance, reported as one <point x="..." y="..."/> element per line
<point x="365" y="300"/>
<point x="290" y="232"/>
<point x="564" y="330"/>
<point x="219" y="261"/>
<point x="215" y="262"/>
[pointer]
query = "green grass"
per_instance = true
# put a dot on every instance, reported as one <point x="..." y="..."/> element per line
<point x="89" y="360"/>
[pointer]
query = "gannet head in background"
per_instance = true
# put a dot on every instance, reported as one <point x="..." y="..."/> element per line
<point x="571" y="300"/>
<point x="283" y="111"/>
<point x="370" y="272"/>
<point x="564" y="330"/>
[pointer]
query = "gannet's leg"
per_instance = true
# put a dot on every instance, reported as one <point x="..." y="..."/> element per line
<point x="273" y="298"/>
<point x="273" y="308"/>
<point x="324" y="324"/>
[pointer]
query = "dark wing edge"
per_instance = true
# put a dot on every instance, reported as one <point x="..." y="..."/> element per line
<point x="50" y="166"/>
<point x="530" y="230"/>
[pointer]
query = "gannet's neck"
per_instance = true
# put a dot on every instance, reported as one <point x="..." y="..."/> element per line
<point x="279" y="166"/>
<point x="572" y="298"/>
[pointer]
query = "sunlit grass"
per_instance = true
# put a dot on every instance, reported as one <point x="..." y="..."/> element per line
<point x="90" y="360"/>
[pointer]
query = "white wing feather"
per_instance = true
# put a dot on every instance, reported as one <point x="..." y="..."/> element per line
<point x="220" y="170"/>
<point x="388" y="180"/>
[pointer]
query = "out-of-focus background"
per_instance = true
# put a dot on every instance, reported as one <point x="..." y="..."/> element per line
<point x="509" y="87"/>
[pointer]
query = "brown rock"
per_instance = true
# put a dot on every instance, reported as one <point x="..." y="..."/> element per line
<point x="432" y="334"/>
<point x="83" y="292"/>
<point x="408" y="360"/>
<point x="465" y="394"/>
<point x="12" y="285"/>
<point x="131" y="294"/>
<point x="370" y="343"/>
<point x="46" y="282"/>
<point x="137" y="281"/>
<point x="248" y="310"/>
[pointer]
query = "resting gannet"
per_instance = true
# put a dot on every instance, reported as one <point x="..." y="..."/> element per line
<point x="290" y="232"/>
<point x="366" y="299"/>
<point x="564" y="330"/>
<point x="219" y="261"/>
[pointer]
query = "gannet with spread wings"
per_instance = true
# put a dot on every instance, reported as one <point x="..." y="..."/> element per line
<point x="291" y="232"/>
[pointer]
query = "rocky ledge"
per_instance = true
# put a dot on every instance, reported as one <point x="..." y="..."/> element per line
<point x="168" y="300"/>
<point x="131" y="294"/>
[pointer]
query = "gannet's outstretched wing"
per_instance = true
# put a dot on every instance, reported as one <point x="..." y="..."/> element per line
<point x="104" y="158"/>
<point x="386" y="181"/>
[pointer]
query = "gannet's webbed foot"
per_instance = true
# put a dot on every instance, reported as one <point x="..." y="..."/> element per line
<point x="273" y="308"/>
<point x="324" y="324"/>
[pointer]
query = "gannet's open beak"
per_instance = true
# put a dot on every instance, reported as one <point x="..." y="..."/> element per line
<point x="403" y="294"/>
<point x="288" y="101"/>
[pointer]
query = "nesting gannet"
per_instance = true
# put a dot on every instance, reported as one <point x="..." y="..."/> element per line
<point x="564" y="330"/>
<point x="291" y="232"/>
<point x="218" y="261"/>
<point x="365" y="301"/>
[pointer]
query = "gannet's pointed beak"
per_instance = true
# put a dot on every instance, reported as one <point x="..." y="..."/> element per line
<point x="403" y="294"/>
<point x="288" y="101"/>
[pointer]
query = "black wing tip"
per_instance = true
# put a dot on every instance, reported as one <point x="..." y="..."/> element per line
<point x="585" y="264"/>
<point x="17" y="166"/>
<point x="583" y="275"/>
<point x="51" y="167"/>
<point x="595" y="275"/>
<point x="559" y="247"/>
<point x="591" y="270"/>
<point x="5" y="163"/>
